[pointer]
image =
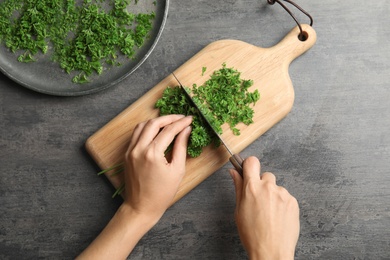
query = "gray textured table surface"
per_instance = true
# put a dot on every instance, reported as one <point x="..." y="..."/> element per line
<point x="332" y="152"/>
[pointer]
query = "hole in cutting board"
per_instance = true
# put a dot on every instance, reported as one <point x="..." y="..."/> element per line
<point x="303" y="36"/>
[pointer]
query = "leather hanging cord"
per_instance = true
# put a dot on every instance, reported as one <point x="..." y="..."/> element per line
<point x="301" y="36"/>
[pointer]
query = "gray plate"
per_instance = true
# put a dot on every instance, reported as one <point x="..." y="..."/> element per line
<point x="47" y="77"/>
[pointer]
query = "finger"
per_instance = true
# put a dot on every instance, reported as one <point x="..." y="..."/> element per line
<point x="153" y="126"/>
<point x="268" y="176"/>
<point x="237" y="179"/>
<point x="251" y="170"/>
<point x="179" y="152"/>
<point x="169" y="132"/>
<point x="284" y="193"/>
<point x="135" y="136"/>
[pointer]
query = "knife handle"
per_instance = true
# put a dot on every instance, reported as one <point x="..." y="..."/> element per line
<point x="237" y="162"/>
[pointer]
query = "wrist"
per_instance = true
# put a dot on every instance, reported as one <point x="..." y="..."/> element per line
<point x="147" y="221"/>
<point x="268" y="253"/>
<point x="120" y="235"/>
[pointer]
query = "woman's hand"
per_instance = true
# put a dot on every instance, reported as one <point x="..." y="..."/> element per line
<point x="151" y="184"/>
<point x="267" y="215"/>
<point x="151" y="180"/>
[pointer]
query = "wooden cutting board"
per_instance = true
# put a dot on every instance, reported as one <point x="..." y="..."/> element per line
<point x="267" y="67"/>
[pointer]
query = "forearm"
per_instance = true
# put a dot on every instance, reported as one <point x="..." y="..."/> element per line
<point x="120" y="236"/>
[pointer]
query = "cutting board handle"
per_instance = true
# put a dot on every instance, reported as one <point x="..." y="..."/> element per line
<point x="291" y="47"/>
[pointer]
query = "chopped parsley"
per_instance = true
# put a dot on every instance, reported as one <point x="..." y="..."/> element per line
<point x="224" y="98"/>
<point x="85" y="36"/>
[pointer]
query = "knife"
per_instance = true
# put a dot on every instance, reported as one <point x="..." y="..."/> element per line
<point x="235" y="158"/>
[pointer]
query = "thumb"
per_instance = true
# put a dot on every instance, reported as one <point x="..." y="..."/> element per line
<point x="238" y="182"/>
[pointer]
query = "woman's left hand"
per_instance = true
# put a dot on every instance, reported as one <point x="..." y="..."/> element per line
<point x="151" y="180"/>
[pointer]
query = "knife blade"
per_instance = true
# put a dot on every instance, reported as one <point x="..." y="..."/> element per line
<point x="235" y="158"/>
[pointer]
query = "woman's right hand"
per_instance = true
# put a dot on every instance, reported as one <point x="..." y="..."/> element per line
<point x="267" y="215"/>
